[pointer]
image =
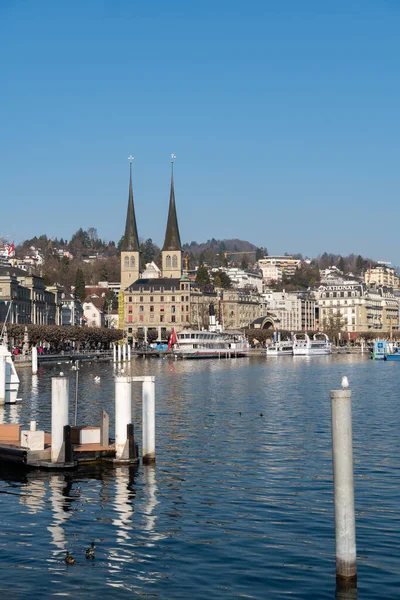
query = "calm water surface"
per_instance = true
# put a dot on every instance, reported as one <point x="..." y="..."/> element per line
<point x="238" y="506"/>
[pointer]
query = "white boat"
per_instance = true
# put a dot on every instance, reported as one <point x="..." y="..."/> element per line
<point x="12" y="379"/>
<point x="210" y="344"/>
<point x="304" y="346"/>
<point x="280" y="349"/>
<point x="214" y="343"/>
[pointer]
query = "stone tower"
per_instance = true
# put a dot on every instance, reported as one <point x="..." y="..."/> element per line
<point x="172" y="249"/>
<point x="130" y="250"/>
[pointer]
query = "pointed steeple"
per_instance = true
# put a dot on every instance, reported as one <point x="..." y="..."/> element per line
<point x="172" y="238"/>
<point x="130" y="242"/>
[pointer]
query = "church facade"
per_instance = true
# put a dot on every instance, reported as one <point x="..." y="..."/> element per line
<point x="164" y="302"/>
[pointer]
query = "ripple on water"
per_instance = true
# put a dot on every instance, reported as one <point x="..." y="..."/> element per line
<point x="238" y="506"/>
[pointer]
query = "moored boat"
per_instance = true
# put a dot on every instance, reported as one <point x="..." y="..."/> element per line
<point x="303" y="345"/>
<point x="11" y="376"/>
<point x="280" y="349"/>
<point x="214" y="343"/>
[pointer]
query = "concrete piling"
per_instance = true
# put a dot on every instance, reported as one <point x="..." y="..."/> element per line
<point x="34" y="360"/>
<point x="59" y="417"/>
<point x="2" y="379"/>
<point x="104" y="428"/>
<point x="342" y="455"/>
<point x="148" y="419"/>
<point x="123" y="416"/>
<point x="114" y="353"/>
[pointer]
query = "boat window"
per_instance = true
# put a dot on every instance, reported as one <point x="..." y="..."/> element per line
<point x="193" y="336"/>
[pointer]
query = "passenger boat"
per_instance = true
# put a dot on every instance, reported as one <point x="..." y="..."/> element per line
<point x="280" y="349"/>
<point x="214" y="343"/>
<point x="210" y="344"/>
<point x="11" y="377"/>
<point x="305" y="346"/>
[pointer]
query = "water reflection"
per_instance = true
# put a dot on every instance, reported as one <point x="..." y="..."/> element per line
<point x="150" y="501"/>
<point x="123" y="497"/>
<point x="346" y="590"/>
<point x="59" y="489"/>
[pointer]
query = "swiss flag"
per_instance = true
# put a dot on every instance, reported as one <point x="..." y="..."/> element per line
<point x="172" y="339"/>
<point x="11" y="249"/>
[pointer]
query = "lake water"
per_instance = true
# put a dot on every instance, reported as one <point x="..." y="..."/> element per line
<point x="238" y="505"/>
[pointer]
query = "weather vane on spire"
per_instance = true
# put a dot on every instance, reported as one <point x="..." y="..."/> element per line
<point x="173" y="157"/>
<point x="130" y="158"/>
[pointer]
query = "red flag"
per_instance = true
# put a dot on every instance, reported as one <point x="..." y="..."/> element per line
<point x="172" y="339"/>
<point x="11" y="250"/>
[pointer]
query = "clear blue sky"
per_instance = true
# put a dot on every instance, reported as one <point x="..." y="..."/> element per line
<point x="283" y="115"/>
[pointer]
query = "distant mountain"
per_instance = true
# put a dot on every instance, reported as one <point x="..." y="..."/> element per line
<point x="232" y="245"/>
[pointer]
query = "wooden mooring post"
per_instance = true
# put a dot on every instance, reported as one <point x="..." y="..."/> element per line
<point x="343" y="485"/>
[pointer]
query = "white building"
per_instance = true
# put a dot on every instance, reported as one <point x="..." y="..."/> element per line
<point x="242" y="280"/>
<point x="273" y="267"/>
<point x="93" y="311"/>
<point x="71" y="309"/>
<point x="151" y="271"/>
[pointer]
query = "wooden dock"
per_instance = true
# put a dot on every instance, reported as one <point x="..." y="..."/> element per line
<point x="11" y="451"/>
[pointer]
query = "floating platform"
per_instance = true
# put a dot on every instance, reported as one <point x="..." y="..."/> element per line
<point x="11" y="451"/>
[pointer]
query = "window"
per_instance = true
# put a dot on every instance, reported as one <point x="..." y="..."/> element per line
<point x="182" y="308"/>
<point x="152" y="309"/>
<point x="129" y="329"/>
<point x="174" y="261"/>
<point x="151" y="298"/>
<point x="162" y="299"/>
<point x="182" y="317"/>
<point x="130" y="309"/>
<point x="173" y="289"/>
<point x="168" y="261"/>
<point x="187" y="318"/>
<point x="141" y="308"/>
<point x="133" y="262"/>
<point x="130" y="299"/>
<point x="187" y="308"/>
<point x="126" y="262"/>
<point x="173" y="319"/>
<point x="161" y="318"/>
<point x="173" y="299"/>
<point x="141" y="298"/>
<point x="129" y="318"/>
<point x="187" y="298"/>
<point x="182" y="298"/>
<point x="140" y="317"/>
<point x="161" y="308"/>
<point x="172" y="309"/>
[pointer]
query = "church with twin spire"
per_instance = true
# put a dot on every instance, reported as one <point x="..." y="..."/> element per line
<point x="163" y="302"/>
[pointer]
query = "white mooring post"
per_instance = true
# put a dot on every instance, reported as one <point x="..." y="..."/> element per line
<point x="119" y="353"/>
<point x="34" y="361"/>
<point x="123" y="416"/>
<point x="124" y="352"/>
<point x="114" y="353"/>
<point x="59" y="417"/>
<point x="2" y="379"/>
<point x="342" y="454"/>
<point x="149" y="420"/>
<point x="129" y="353"/>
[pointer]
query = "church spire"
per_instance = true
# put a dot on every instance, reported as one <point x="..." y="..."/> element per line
<point x="172" y="238"/>
<point x="130" y="242"/>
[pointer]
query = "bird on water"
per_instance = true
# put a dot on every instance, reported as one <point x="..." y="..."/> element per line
<point x="90" y="551"/>
<point x="345" y="382"/>
<point x="69" y="559"/>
